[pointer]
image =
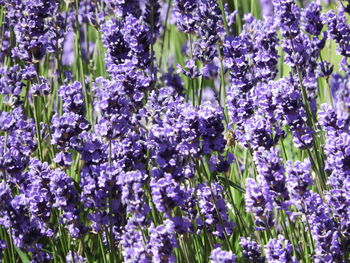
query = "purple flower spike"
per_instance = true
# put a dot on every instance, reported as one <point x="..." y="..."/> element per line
<point x="279" y="250"/>
<point x="162" y="242"/>
<point x="218" y="255"/>
<point x="259" y="201"/>
<point x="251" y="250"/>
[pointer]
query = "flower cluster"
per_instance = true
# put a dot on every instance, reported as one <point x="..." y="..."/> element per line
<point x="174" y="131"/>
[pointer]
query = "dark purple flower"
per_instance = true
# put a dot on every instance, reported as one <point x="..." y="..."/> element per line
<point x="257" y="132"/>
<point x="133" y="194"/>
<point x="162" y="242"/>
<point x="213" y="208"/>
<point x="182" y="225"/>
<point x="185" y="13"/>
<point x="152" y="18"/>
<point x="311" y="18"/>
<point x="324" y="230"/>
<point x="251" y="250"/>
<point x="298" y="179"/>
<point x="293" y="112"/>
<point x="122" y="8"/>
<point x="167" y="193"/>
<point x="271" y="170"/>
<point x="11" y="81"/>
<point x="15" y="215"/>
<point x="339" y="31"/>
<point x="288" y="15"/>
<point x="128" y="45"/>
<point x="46" y="189"/>
<point x="259" y="201"/>
<point x="279" y="250"/>
<point x="3" y="246"/>
<point x="102" y="194"/>
<point x="17" y="144"/>
<point x="35" y="34"/>
<point x="66" y="129"/>
<point x="72" y="97"/>
<point x="134" y="246"/>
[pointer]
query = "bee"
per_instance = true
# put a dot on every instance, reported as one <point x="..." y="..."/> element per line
<point x="230" y="138"/>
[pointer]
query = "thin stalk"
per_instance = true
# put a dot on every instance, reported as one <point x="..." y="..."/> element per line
<point x="218" y="213"/>
<point x="102" y="248"/>
<point x="165" y="31"/>
<point x="37" y="126"/>
<point x="200" y="90"/>
<point x="111" y="236"/>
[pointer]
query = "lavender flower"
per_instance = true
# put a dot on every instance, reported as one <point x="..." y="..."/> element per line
<point x="298" y="179"/>
<point x="257" y="133"/>
<point x="218" y="255"/>
<point x="259" y="201"/>
<point x="339" y="30"/>
<point x="133" y="194"/>
<point x="17" y="144"/>
<point x="35" y="34"/>
<point x="279" y="250"/>
<point x="336" y="148"/>
<point x="211" y="128"/>
<point x="63" y="159"/>
<point x="101" y="192"/>
<point x="74" y="257"/>
<point x="129" y="153"/>
<point x="152" y="18"/>
<point x="122" y="8"/>
<point x="182" y="225"/>
<point x="340" y="91"/>
<point x="40" y="89"/>
<point x="185" y="13"/>
<point x="324" y="230"/>
<point x="312" y="22"/>
<point x="337" y="164"/>
<point x="134" y="247"/>
<point x="2" y="247"/>
<point x="46" y="189"/>
<point x="271" y="170"/>
<point x="251" y="250"/>
<point x="265" y="55"/>
<point x="15" y="215"/>
<point x="301" y="50"/>
<point x="288" y="15"/>
<point x="94" y="150"/>
<point x="196" y="131"/>
<point x="210" y="30"/>
<point x="214" y="210"/>
<point x="72" y="97"/>
<point x="127" y="42"/>
<point x="115" y="109"/>
<point x="293" y="112"/>
<point x="11" y="80"/>
<point x="167" y="193"/>
<point x="266" y="7"/>
<point x="162" y="242"/>
<point x="66" y="130"/>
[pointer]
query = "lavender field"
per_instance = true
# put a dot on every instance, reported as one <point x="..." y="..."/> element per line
<point x="155" y="131"/>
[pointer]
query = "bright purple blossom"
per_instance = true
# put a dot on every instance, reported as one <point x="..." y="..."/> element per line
<point x="218" y="255"/>
<point x="279" y="250"/>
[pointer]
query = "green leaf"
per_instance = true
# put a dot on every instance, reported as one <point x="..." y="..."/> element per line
<point x="22" y="255"/>
<point x="232" y="184"/>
